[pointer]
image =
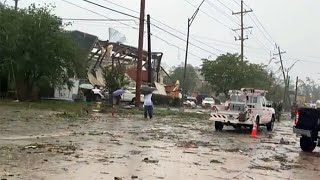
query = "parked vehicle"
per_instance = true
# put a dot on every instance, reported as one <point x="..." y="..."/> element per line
<point x="191" y="102"/>
<point x="208" y="102"/>
<point x="99" y="94"/>
<point x="247" y="107"/>
<point x="307" y="126"/>
<point x="129" y="95"/>
<point x="200" y="98"/>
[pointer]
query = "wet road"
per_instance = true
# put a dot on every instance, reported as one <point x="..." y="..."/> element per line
<point x="42" y="145"/>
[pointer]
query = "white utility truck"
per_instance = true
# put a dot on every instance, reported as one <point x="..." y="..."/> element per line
<point x="247" y="107"/>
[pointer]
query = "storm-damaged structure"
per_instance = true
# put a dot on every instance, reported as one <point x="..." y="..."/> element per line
<point x="103" y="54"/>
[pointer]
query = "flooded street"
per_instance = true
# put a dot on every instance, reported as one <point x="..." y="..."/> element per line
<point x="39" y="144"/>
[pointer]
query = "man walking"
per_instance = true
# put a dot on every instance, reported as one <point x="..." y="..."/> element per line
<point x="148" y="106"/>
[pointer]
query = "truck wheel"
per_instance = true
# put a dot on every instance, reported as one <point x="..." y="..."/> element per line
<point x="218" y="126"/>
<point x="270" y="124"/>
<point x="307" y="144"/>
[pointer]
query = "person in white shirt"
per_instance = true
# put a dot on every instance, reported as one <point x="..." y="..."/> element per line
<point x="148" y="106"/>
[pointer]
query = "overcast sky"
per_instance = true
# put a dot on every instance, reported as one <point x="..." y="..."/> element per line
<point x="292" y="24"/>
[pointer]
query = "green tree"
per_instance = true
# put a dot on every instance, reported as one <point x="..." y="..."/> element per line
<point x="192" y="79"/>
<point x="35" y="48"/>
<point x="114" y="78"/>
<point x="224" y="73"/>
<point x="229" y="72"/>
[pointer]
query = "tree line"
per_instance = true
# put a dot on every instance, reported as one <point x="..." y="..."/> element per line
<point x="227" y="72"/>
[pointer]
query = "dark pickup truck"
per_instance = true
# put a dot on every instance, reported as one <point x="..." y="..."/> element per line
<point x="307" y="126"/>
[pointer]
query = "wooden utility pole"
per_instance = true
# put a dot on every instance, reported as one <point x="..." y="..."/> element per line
<point x="284" y="75"/>
<point x="140" y="53"/>
<point x="242" y="38"/>
<point x="288" y="91"/>
<point x="149" y="51"/>
<point x="296" y="92"/>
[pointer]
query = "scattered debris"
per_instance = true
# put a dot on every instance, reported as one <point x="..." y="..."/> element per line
<point x="265" y="159"/>
<point x="63" y="149"/>
<point x="289" y="166"/>
<point x="147" y="160"/>
<point x="134" y="152"/>
<point x="190" y="152"/>
<point x="263" y="168"/>
<point x="280" y="157"/>
<point x="187" y="144"/>
<point x="95" y="133"/>
<point x="65" y="169"/>
<point x="282" y="141"/>
<point x="216" y="161"/>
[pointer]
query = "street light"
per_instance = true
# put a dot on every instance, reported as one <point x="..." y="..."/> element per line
<point x="190" y="21"/>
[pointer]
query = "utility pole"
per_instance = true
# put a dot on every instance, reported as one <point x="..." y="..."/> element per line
<point x="190" y="21"/>
<point x="149" y="51"/>
<point x="242" y="38"/>
<point x="296" y="92"/>
<point x="284" y="75"/>
<point x="282" y="68"/>
<point x="16" y="5"/>
<point x="140" y="53"/>
<point x="288" y="91"/>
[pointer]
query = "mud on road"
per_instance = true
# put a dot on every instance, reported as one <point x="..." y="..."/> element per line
<point x="38" y="144"/>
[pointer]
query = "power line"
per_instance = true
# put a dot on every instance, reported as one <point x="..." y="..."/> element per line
<point x="184" y="40"/>
<point x="237" y="2"/>
<point x="262" y="25"/>
<point x="153" y="25"/>
<point x="258" y="41"/>
<point x="264" y="28"/>
<point x="128" y="26"/>
<point x="225" y="5"/>
<point x="164" y="25"/>
<point x="211" y="17"/>
<point x="97" y="13"/>
<point x="111" y="9"/>
<point x="88" y="19"/>
<point x="121" y="6"/>
<point x="261" y="30"/>
<point x="222" y="12"/>
<point x="174" y="45"/>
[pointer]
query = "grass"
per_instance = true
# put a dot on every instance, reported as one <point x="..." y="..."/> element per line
<point x="78" y="108"/>
<point x="46" y="105"/>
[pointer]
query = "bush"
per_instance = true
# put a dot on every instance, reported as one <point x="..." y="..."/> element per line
<point x="159" y="99"/>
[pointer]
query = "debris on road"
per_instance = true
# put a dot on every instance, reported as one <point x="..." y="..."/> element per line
<point x="216" y="161"/>
<point x="147" y="160"/>
<point x="282" y="141"/>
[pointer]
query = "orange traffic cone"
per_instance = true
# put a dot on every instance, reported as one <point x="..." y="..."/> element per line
<point x="254" y="131"/>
